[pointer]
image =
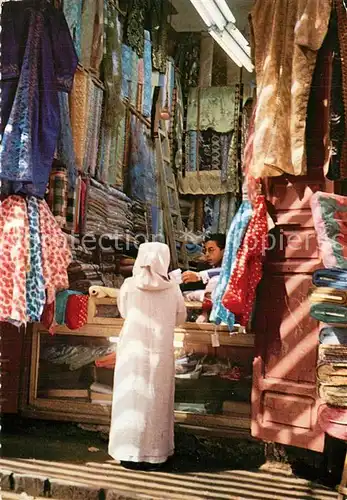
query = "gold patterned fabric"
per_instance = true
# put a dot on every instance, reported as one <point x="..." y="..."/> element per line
<point x="79" y="114"/>
<point x="211" y="107"/>
<point x="286" y="38"/>
<point x="204" y="183"/>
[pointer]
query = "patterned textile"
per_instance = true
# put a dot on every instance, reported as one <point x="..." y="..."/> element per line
<point x="14" y="260"/>
<point x="147" y="86"/>
<point x="58" y="194"/>
<point x="216" y="109"/>
<point x="199" y="215"/>
<point x="92" y="33"/>
<point x="231" y="210"/>
<point x="56" y="255"/>
<point x="134" y="26"/>
<point x="216" y="211"/>
<point x="79" y="114"/>
<point x="31" y="38"/>
<point x="134" y="78"/>
<point x="329" y="313"/>
<point x="159" y="15"/>
<point x="73" y="15"/>
<point x="112" y="68"/>
<point x="235" y="236"/>
<point x="65" y="148"/>
<point x="209" y="212"/>
<point x="223" y="214"/>
<point x="143" y="176"/>
<point x="206" y="183"/>
<point x="247" y="271"/>
<point x="292" y="32"/>
<point x="35" y="284"/>
<point x="329" y="216"/>
<point x="178" y="125"/>
<point x="127" y="65"/>
<point x="191" y="151"/>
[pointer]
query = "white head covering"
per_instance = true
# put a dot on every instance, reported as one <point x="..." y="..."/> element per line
<point x="151" y="267"/>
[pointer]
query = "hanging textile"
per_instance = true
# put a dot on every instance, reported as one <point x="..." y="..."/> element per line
<point x="285" y="56"/>
<point x="247" y="271"/>
<point x="216" y="109"/>
<point x="208" y="214"/>
<point x="58" y="193"/>
<point x="112" y="68"/>
<point x="234" y="240"/>
<point x="35" y="283"/>
<point x="56" y="254"/>
<point x="65" y="147"/>
<point x="134" y="26"/>
<point x="32" y="35"/>
<point x="73" y="15"/>
<point x="14" y="261"/>
<point x="79" y="114"/>
<point x="92" y="34"/>
<point x="160" y="27"/>
<point x="147" y="84"/>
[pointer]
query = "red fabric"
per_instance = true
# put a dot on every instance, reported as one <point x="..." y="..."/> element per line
<point x="108" y="361"/>
<point x="48" y="317"/>
<point x="240" y="293"/>
<point x="76" y="314"/>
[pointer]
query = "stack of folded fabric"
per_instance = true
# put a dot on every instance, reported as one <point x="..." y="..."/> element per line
<point x="139" y="211"/>
<point x="83" y="275"/>
<point x="109" y="212"/>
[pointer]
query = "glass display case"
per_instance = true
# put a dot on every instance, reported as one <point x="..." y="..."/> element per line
<point x="70" y="376"/>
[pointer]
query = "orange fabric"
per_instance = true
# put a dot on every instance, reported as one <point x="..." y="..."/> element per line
<point x="108" y="361"/>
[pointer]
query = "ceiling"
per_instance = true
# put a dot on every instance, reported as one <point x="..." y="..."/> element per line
<point x="187" y="19"/>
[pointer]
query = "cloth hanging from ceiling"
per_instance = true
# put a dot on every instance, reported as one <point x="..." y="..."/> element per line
<point x="32" y="36"/>
<point x="285" y="57"/>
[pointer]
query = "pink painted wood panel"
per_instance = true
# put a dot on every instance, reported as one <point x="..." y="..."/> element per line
<point x="284" y="395"/>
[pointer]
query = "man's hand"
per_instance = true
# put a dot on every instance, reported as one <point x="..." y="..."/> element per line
<point x="190" y="277"/>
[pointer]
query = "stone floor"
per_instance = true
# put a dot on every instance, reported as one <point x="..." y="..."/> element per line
<point x="62" y="461"/>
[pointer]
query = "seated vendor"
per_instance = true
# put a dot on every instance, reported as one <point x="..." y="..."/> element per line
<point x="214" y="247"/>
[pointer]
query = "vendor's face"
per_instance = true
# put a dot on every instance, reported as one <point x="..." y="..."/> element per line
<point x="213" y="254"/>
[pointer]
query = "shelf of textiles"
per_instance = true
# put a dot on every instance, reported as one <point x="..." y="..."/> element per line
<point x="69" y="376"/>
<point x="328" y="305"/>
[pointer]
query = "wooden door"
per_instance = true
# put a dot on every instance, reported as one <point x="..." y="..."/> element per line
<point x="11" y="341"/>
<point x="284" y="396"/>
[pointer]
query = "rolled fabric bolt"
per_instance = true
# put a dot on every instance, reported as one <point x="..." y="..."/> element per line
<point x="101" y="292"/>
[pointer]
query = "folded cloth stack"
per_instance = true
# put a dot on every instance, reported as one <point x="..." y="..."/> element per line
<point x="109" y="212"/>
<point x="139" y="211"/>
<point x="75" y="356"/>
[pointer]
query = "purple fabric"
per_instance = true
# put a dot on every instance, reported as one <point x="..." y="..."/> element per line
<point x="38" y="59"/>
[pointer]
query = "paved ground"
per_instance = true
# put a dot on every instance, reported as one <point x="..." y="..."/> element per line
<point x="64" y="462"/>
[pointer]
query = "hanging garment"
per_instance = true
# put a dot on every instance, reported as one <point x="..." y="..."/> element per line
<point x="65" y="148"/>
<point x="248" y="269"/>
<point x="142" y="422"/>
<point x="73" y="14"/>
<point x="35" y="283"/>
<point x="234" y="240"/>
<point x="58" y="194"/>
<point x="112" y="68"/>
<point x="56" y="254"/>
<point x="79" y="114"/>
<point x="14" y="260"/>
<point x="36" y="48"/>
<point x="285" y="55"/>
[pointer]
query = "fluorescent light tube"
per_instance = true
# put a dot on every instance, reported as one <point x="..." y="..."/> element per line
<point x="238" y="36"/>
<point x="217" y="37"/>
<point x="224" y="8"/>
<point x="227" y="42"/>
<point x="210" y="13"/>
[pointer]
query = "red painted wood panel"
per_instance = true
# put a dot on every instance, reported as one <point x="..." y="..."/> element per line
<point x="284" y="396"/>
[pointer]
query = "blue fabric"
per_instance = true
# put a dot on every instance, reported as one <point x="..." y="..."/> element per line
<point x="235" y="236"/>
<point x="192" y="151"/>
<point x="73" y="14"/>
<point x="333" y="335"/>
<point x="147" y="87"/>
<point x="35" y="283"/>
<point x="127" y="65"/>
<point x="38" y="60"/>
<point x="65" y="145"/>
<point x="332" y="278"/>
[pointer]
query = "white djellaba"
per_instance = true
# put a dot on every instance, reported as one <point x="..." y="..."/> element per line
<point x="142" y="423"/>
